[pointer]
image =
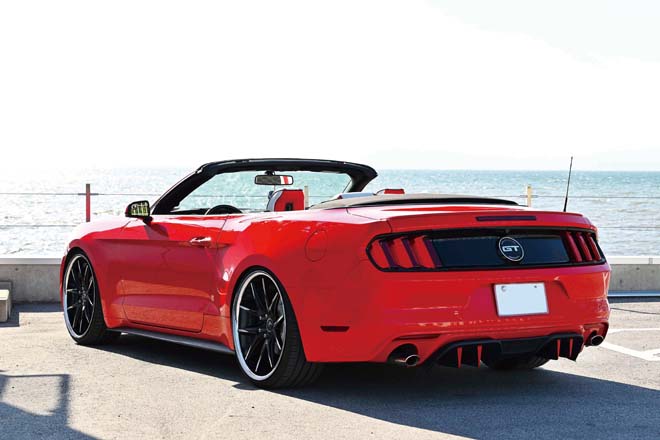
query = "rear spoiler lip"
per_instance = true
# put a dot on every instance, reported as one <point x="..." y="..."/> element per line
<point x="474" y="220"/>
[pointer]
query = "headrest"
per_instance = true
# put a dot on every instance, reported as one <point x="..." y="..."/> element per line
<point x="286" y="200"/>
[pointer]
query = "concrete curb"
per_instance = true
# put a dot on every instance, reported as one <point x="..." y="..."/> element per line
<point x="36" y="279"/>
<point x="638" y="273"/>
<point x="32" y="279"/>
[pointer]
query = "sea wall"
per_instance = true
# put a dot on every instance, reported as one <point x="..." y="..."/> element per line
<point x="37" y="279"/>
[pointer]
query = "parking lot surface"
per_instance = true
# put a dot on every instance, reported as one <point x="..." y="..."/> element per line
<point x="140" y="388"/>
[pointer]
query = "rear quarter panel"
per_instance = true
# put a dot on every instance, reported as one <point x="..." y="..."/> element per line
<point x="309" y="252"/>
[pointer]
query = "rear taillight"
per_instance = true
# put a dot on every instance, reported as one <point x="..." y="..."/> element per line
<point x="466" y="249"/>
<point x="404" y="253"/>
<point x="582" y="246"/>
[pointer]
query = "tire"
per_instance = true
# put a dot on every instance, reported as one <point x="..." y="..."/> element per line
<point x="80" y="293"/>
<point x="517" y="363"/>
<point x="263" y="322"/>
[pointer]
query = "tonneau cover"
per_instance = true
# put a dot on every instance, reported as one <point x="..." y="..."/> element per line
<point x="412" y="199"/>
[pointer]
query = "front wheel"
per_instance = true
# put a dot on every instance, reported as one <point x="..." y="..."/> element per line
<point x="81" y="302"/>
<point x="266" y="335"/>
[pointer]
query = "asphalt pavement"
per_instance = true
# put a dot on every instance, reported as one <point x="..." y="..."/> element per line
<point x="144" y="389"/>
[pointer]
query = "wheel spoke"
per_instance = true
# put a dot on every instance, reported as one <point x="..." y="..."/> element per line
<point x="88" y="318"/>
<point x="73" y="294"/>
<point x="84" y="275"/>
<point x="269" y="349"/>
<point x="273" y="302"/>
<point x="249" y="330"/>
<point x="261" y="355"/>
<point x="252" y="345"/>
<point x="257" y="301"/>
<point x="277" y="341"/>
<point x="79" y="274"/>
<point x="80" y="321"/>
<point x="248" y="310"/>
<point x="278" y="320"/>
<point x="72" y="278"/>
<point x="263" y="287"/>
<point x="75" y="318"/>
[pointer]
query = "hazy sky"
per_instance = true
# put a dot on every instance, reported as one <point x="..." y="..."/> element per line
<point x="414" y="84"/>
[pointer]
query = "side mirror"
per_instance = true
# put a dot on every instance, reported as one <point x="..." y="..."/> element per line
<point x="139" y="210"/>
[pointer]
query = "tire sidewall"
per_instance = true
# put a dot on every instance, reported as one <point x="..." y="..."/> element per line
<point x="97" y="313"/>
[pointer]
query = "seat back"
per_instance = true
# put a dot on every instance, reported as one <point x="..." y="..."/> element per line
<point x="286" y="200"/>
<point x="391" y="191"/>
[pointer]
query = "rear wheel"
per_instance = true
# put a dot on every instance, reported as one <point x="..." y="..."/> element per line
<point x="81" y="302"/>
<point x="266" y="335"/>
<point x="517" y="363"/>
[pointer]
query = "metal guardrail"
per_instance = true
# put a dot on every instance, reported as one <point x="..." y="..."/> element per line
<point x="88" y="194"/>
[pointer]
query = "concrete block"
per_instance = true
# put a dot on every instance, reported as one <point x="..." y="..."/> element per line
<point x="635" y="277"/>
<point x="5" y="305"/>
<point x="33" y="279"/>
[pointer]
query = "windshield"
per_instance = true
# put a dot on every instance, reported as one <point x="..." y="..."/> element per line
<point x="239" y="190"/>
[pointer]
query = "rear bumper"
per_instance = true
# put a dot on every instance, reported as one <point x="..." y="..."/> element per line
<point x="369" y="313"/>
<point x="458" y="354"/>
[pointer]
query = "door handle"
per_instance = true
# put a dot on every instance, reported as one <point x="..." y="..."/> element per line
<point x="201" y="241"/>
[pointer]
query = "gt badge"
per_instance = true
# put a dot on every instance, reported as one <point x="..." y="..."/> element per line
<point x="511" y="249"/>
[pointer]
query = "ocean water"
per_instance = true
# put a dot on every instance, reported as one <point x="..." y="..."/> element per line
<point x="624" y="205"/>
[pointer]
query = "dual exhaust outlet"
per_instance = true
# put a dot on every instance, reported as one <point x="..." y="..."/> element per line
<point x="595" y="340"/>
<point x="404" y="356"/>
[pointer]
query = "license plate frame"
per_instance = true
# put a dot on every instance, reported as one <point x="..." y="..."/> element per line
<point x="521" y="299"/>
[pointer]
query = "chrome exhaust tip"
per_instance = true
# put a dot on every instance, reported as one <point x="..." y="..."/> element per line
<point x="596" y="340"/>
<point x="408" y="361"/>
<point x="404" y="356"/>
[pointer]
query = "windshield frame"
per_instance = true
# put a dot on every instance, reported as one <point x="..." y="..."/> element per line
<point x="360" y="175"/>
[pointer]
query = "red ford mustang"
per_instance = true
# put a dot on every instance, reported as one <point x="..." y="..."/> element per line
<point x="233" y="259"/>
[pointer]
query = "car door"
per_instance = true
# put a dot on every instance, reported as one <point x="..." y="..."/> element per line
<point x="168" y="270"/>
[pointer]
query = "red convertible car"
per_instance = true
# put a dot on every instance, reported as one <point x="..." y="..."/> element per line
<point x="234" y="259"/>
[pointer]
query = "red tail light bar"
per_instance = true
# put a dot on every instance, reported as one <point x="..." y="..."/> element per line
<point x="582" y="246"/>
<point x="407" y="252"/>
<point x="417" y="251"/>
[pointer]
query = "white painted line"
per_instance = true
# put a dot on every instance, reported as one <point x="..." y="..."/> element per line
<point x="638" y="354"/>
<point x="642" y="329"/>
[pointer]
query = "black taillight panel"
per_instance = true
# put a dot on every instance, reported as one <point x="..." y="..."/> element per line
<point x="476" y="249"/>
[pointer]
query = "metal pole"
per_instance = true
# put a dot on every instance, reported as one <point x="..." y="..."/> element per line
<point x="529" y="195"/>
<point x="88" y="202"/>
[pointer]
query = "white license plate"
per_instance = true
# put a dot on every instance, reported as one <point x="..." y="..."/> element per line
<point x="520" y="299"/>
